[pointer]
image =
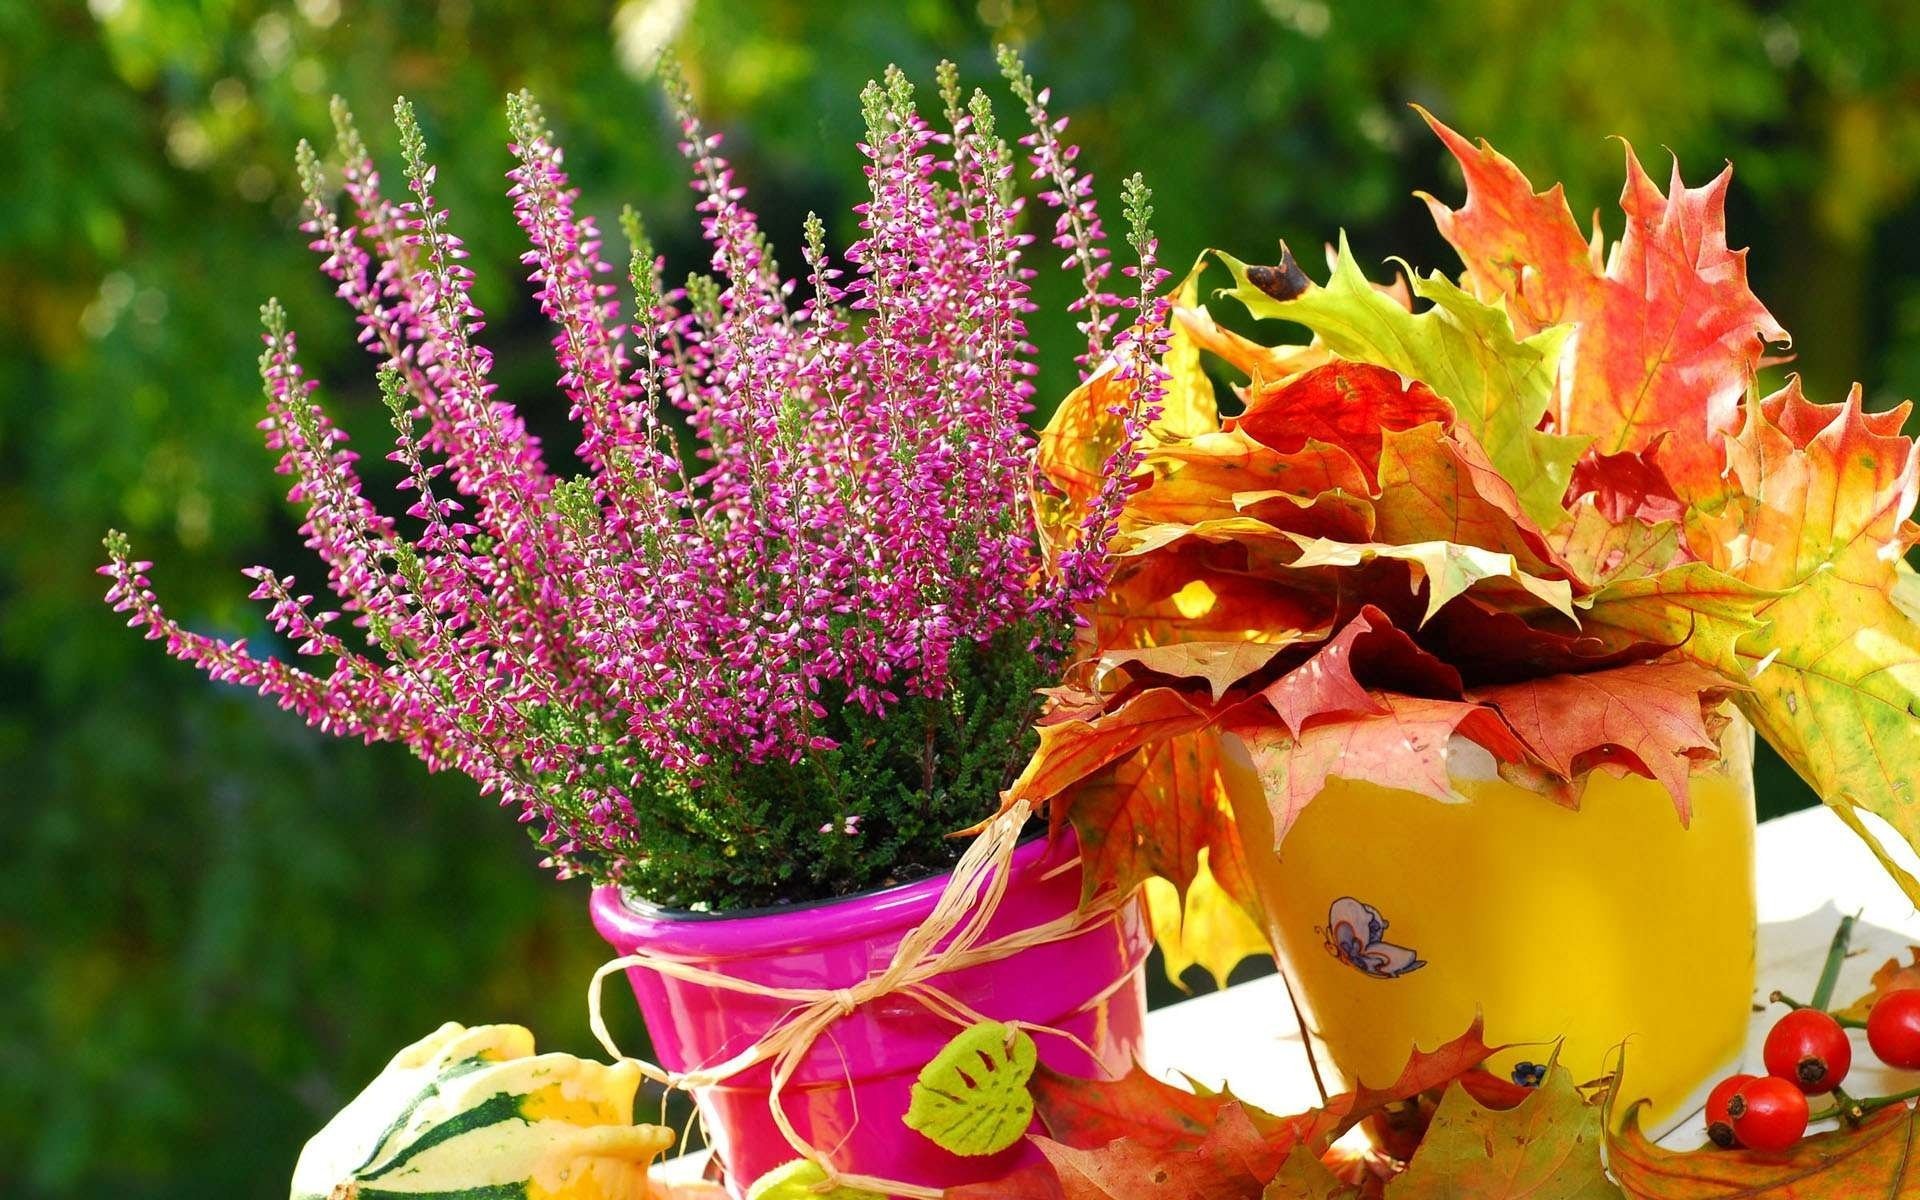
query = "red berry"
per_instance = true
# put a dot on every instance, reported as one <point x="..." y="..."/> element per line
<point x="1769" y="1113"/>
<point x="1807" y="1047"/>
<point x="1893" y="1028"/>
<point x="1719" y="1120"/>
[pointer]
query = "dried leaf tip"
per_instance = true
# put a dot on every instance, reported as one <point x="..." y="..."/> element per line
<point x="1283" y="281"/>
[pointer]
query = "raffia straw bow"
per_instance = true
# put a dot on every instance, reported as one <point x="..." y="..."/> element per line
<point x="950" y="939"/>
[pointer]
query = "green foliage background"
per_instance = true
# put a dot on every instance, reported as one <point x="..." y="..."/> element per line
<point x="214" y="925"/>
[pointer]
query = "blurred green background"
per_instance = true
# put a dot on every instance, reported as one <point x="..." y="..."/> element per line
<point x="214" y="924"/>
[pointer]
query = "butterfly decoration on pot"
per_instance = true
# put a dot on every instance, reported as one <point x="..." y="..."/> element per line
<point x="1353" y="934"/>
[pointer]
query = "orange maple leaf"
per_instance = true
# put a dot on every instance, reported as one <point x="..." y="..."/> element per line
<point x="1668" y="334"/>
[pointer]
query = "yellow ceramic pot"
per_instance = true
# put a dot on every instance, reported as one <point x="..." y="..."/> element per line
<point x="1398" y="917"/>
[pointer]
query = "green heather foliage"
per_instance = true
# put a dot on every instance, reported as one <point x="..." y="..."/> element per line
<point x="931" y="766"/>
<point x="215" y="925"/>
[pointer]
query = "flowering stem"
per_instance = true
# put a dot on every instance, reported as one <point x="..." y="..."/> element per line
<point x="837" y="588"/>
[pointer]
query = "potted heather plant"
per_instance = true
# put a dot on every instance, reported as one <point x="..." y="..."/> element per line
<point x="751" y="681"/>
<point x="1461" y="628"/>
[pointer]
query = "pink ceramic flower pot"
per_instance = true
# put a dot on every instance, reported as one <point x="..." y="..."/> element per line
<point x="850" y="1093"/>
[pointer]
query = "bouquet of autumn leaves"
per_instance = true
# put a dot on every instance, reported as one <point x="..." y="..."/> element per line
<point x="1541" y="507"/>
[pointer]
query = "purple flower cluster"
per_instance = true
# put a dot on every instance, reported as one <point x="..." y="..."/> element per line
<point x="853" y="510"/>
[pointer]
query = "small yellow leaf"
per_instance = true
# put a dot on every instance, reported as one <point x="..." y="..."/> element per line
<point x="1210" y="928"/>
<point x="1188" y="408"/>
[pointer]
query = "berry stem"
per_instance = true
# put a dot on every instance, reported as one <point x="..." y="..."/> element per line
<point x="1836" y="954"/>
<point x="1856" y="1110"/>
<point x="1848" y="1107"/>
<point x="1874" y="1105"/>
<point x="1790" y="1002"/>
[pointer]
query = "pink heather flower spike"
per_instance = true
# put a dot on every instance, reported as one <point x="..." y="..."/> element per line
<point x="634" y="653"/>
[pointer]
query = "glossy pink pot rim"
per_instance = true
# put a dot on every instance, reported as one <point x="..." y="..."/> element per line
<point x="760" y="932"/>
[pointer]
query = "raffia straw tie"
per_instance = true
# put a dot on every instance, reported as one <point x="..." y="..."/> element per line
<point x="950" y="939"/>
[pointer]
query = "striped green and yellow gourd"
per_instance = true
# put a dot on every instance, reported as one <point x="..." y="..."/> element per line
<point x="475" y="1114"/>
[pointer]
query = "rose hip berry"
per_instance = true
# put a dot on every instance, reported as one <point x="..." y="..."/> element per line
<point x="1808" y="1048"/>
<point x="1769" y="1113"/>
<point x="1893" y="1028"/>
<point x="1719" y="1120"/>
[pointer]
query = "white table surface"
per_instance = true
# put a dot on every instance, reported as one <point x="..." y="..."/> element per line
<point x="1811" y="869"/>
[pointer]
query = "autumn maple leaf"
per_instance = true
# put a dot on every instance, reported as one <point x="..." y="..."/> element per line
<point x="1369" y="647"/>
<point x="1654" y="719"/>
<point x="1139" y="1137"/>
<point x="1225" y="473"/>
<point x="1547" y="1147"/>
<point x="1545" y="492"/>
<point x="1666" y="334"/>
<point x="1892" y="976"/>
<point x="1876" y="1159"/>
<point x="1822" y="519"/>
<point x="1152" y="813"/>
<point x="1351" y="405"/>
<point x="1464" y="351"/>
<point x="1407" y="743"/>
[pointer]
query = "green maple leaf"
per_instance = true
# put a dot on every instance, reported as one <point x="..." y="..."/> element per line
<point x="1462" y="348"/>
<point x="1546" y="1148"/>
<point x="972" y="1098"/>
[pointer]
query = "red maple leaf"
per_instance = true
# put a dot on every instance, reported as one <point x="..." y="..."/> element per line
<point x="1627" y="485"/>
<point x="1345" y="404"/>
<point x="1648" y="718"/>
<point x="1369" y="652"/>
<point x="1406" y="743"/>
